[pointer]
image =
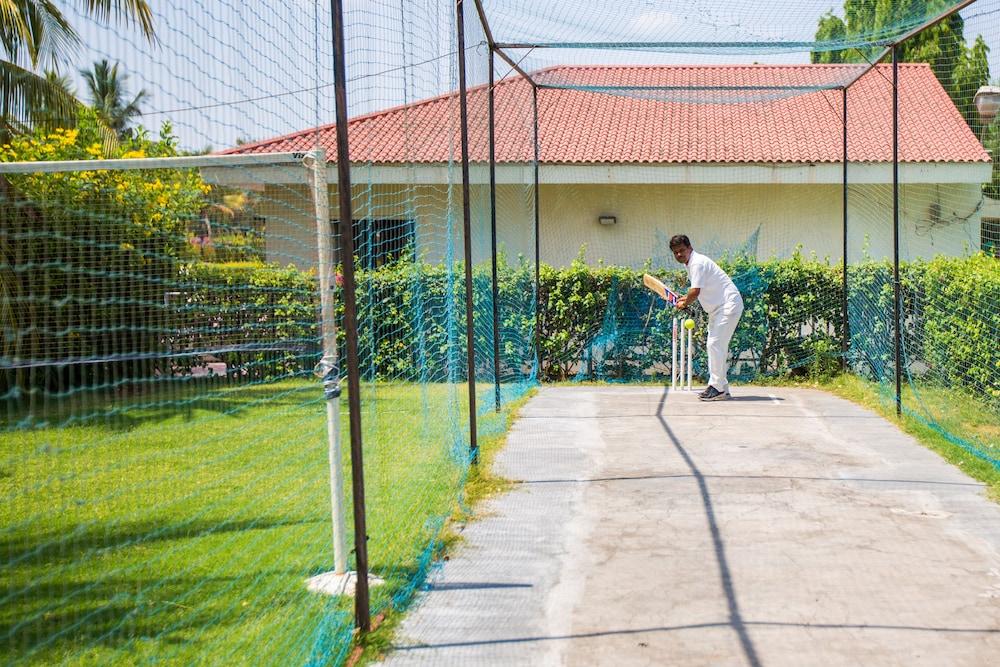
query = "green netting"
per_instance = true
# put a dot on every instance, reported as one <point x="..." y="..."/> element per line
<point x="707" y="28"/>
<point x="165" y="476"/>
<point x="165" y="482"/>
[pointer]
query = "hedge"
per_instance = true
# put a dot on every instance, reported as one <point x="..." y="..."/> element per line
<point x="85" y="258"/>
<point x="596" y="322"/>
<point x="260" y="320"/>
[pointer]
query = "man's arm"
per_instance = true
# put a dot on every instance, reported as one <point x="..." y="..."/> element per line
<point x="691" y="295"/>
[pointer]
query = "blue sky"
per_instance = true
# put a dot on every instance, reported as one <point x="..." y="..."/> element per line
<point x="228" y="69"/>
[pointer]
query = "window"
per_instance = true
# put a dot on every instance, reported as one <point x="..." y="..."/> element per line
<point x="990" y="236"/>
<point x="378" y="242"/>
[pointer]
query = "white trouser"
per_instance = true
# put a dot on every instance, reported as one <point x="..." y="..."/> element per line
<point x="721" y="326"/>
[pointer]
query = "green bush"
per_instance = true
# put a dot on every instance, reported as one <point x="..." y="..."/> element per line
<point x="595" y="322"/>
<point x="803" y="299"/>
<point x="953" y="323"/>
<point x="601" y="322"/>
<point x="85" y="258"/>
<point x="261" y="320"/>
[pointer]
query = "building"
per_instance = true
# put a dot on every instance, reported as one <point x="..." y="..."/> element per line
<point x="622" y="172"/>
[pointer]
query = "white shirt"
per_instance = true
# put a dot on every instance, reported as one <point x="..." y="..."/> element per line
<point x="717" y="289"/>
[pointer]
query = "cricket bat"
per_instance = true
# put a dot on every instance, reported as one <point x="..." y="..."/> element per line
<point x="657" y="286"/>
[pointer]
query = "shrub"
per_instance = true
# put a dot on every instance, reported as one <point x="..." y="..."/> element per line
<point x="86" y="256"/>
<point x="260" y="320"/>
<point x="953" y="323"/>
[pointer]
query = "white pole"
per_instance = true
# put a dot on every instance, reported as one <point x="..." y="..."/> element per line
<point x="680" y="355"/>
<point x="690" y="355"/>
<point x="327" y="367"/>
<point x="673" y="356"/>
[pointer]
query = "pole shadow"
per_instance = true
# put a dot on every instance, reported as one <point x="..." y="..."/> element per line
<point x="725" y="574"/>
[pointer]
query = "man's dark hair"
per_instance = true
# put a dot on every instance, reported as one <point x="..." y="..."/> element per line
<point x="679" y="240"/>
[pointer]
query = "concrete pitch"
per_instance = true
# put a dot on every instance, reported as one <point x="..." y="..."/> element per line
<point x="784" y="527"/>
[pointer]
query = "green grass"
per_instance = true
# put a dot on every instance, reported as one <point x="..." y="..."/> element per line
<point x="953" y="412"/>
<point x="181" y="526"/>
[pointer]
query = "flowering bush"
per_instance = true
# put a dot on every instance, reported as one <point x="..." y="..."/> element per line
<point x="88" y="256"/>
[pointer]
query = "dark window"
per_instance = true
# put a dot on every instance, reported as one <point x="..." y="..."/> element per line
<point x="990" y="231"/>
<point x="378" y="242"/>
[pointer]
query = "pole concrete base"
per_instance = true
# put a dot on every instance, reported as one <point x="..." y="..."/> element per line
<point x="332" y="583"/>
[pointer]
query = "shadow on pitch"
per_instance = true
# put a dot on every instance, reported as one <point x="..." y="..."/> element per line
<point x="865" y="480"/>
<point x="876" y="627"/>
<point x="472" y="585"/>
<point x="725" y="574"/>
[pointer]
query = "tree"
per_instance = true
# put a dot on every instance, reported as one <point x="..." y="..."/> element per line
<point x="108" y="94"/>
<point x="961" y="69"/>
<point x="49" y="114"/>
<point x="37" y="38"/>
<point x="991" y="141"/>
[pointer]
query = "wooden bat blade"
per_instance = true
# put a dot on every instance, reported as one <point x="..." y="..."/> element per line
<point x="655" y="285"/>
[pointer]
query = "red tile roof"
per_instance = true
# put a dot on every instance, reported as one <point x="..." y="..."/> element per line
<point x="578" y="126"/>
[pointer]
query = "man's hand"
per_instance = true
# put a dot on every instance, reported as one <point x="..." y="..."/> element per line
<point x="686" y="300"/>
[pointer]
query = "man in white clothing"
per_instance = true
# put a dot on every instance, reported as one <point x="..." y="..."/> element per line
<point x="721" y="300"/>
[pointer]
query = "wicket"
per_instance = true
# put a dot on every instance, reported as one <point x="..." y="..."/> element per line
<point x="677" y="370"/>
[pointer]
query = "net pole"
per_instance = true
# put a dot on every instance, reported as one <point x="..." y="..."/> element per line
<point x="846" y="342"/>
<point x="470" y="352"/>
<point x="538" y="292"/>
<point x="493" y="237"/>
<point x="328" y="368"/>
<point x="895" y="227"/>
<point x="362" y="608"/>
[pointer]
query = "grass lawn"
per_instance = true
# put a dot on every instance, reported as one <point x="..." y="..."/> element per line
<point x="955" y="413"/>
<point x="180" y="527"/>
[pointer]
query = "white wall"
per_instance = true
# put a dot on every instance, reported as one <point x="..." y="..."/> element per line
<point x="716" y="217"/>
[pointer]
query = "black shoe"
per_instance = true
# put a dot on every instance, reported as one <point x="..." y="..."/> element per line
<point x="704" y="391"/>
<point x="713" y="394"/>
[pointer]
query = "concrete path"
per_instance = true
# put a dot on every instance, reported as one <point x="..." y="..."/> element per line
<point x="784" y="527"/>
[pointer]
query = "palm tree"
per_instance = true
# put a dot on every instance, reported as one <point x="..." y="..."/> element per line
<point x="52" y="115"/>
<point x="36" y="38"/>
<point x="108" y="95"/>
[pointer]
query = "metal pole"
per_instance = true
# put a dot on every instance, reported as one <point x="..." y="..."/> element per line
<point x="361" y="603"/>
<point x="467" y="232"/>
<point x="328" y="368"/>
<point x="895" y="227"/>
<point x="538" y="293"/>
<point x="493" y="237"/>
<point x="846" y="343"/>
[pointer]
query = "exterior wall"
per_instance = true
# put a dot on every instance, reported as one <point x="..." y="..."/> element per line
<point x="290" y="232"/>
<point x="776" y="217"/>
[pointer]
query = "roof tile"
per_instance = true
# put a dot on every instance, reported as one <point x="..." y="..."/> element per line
<point x="579" y="126"/>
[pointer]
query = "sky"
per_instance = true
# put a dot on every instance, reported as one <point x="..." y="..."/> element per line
<point x="228" y="70"/>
